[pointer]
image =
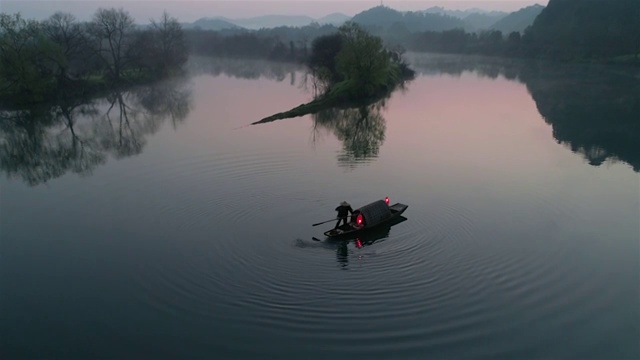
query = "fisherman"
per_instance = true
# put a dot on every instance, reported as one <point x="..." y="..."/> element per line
<point x="343" y="210"/>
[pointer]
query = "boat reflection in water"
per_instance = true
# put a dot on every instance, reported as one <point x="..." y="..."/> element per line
<point x="346" y="246"/>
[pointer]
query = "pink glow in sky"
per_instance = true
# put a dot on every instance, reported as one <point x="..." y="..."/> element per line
<point x="191" y="10"/>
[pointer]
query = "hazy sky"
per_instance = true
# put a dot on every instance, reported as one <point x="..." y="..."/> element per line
<point x="190" y="10"/>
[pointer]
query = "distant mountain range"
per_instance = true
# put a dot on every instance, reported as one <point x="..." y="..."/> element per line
<point x="210" y="24"/>
<point x="267" y="21"/>
<point x="461" y="14"/>
<point x="336" y="19"/>
<point x="380" y="19"/>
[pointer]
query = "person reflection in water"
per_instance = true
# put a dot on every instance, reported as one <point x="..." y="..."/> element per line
<point x="343" y="211"/>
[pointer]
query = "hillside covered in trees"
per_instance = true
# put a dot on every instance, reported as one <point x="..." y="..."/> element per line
<point x="517" y="20"/>
<point x="586" y="29"/>
<point x="595" y="30"/>
<point x="381" y="19"/>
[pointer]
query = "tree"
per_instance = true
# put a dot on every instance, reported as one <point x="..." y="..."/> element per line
<point x="513" y="42"/>
<point x="322" y="61"/>
<point x="171" y="46"/>
<point x="112" y="30"/>
<point x="25" y="55"/>
<point x="363" y="60"/>
<point x="63" y="30"/>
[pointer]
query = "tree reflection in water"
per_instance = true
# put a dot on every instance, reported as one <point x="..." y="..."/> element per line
<point x="592" y="109"/>
<point x="595" y="114"/>
<point x="360" y="127"/>
<point x="44" y="143"/>
<point x="244" y="68"/>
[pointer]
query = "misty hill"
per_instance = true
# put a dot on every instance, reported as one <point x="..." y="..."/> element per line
<point x="475" y="19"/>
<point x="336" y="19"/>
<point x="264" y="22"/>
<point x="518" y="20"/>
<point x="215" y="24"/>
<point x="380" y="19"/>
<point x="594" y="28"/>
<point x="271" y="21"/>
<point x="461" y="14"/>
<point x="483" y="21"/>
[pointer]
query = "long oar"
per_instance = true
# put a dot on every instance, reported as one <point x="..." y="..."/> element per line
<point x="324" y="222"/>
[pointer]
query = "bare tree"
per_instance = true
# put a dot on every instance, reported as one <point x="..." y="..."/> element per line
<point x="24" y="56"/>
<point x="112" y="29"/>
<point x="67" y="33"/>
<point x="171" y="46"/>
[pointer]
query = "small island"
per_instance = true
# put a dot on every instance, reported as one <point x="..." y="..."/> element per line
<point x="350" y="67"/>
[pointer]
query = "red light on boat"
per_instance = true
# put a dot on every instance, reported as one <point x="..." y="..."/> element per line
<point x="359" y="219"/>
<point x="386" y="200"/>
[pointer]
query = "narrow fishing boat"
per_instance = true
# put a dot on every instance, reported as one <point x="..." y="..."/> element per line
<point x="367" y="217"/>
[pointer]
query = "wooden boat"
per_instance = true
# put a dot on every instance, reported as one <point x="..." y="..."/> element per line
<point x="368" y="217"/>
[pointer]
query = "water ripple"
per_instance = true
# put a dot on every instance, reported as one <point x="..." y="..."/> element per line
<point x="451" y="270"/>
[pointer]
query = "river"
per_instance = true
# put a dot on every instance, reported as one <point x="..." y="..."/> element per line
<point x="157" y="223"/>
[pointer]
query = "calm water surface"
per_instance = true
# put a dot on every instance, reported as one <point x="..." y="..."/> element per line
<point x="156" y="224"/>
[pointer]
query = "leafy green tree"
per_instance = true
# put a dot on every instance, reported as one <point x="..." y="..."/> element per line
<point x="322" y="61"/>
<point x="363" y="61"/>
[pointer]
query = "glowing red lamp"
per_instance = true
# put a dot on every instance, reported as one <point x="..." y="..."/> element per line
<point x="386" y="199"/>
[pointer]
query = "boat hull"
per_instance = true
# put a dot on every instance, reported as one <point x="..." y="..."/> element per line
<point x="351" y="228"/>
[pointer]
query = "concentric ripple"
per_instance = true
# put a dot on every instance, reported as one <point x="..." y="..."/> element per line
<point x="424" y="284"/>
<point x="452" y="278"/>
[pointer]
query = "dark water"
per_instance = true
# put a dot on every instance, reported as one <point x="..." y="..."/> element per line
<point x="155" y="224"/>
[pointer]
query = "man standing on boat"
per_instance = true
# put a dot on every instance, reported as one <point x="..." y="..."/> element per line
<point x="343" y="211"/>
